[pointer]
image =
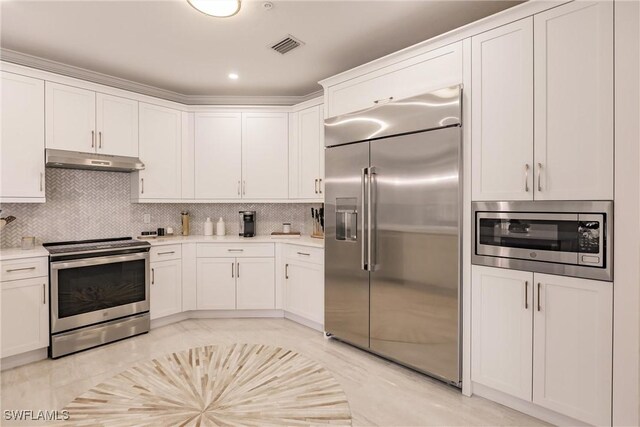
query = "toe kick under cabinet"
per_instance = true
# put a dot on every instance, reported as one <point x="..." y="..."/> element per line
<point x="235" y="276"/>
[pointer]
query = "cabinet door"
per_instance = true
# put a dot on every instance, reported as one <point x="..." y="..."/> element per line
<point x="218" y="155"/>
<point x="160" y="151"/>
<point x="572" y="359"/>
<point x="304" y="290"/>
<point x="216" y="284"/>
<point x="255" y="283"/>
<point x="502" y="339"/>
<point x="502" y="111"/>
<point x="265" y="155"/>
<point x="117" y="125"/>
<point x="574" y="102"/>
<point x="22" y="149"/>
<point x="310" y="148"/>
<point x="24" y="315"/>
<point x="70" y="118"/>
<point x="166" y="288"/>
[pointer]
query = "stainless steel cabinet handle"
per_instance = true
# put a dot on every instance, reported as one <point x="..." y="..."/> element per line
<point x="526" y="177"/>
<point x="44" y="293"/>
<point x="20" y="269"/>
<point x="363" y="183"/>
<point x="41" y="179"/>
<point x="539" y="308"/>
<point x="238" y="188"/>
<point x="526" y="295"/>
<point x="232" y="267"/>
<point x="377" y="101"/>
<point x="93" y="139"/>
<point x="244" y="187"/>
<point x="100" y="139"/>
<point x="153" y="276"/>
<point x="238" y="270"/>
<point x="303" y="253"/>
<point x="320" y="185"/>
<point x="539" y="169"/>
<point x="286" y="271"/>
<point x="142" y="183"/>
<point x="235" y="250"/>
<point x="315" y="185"/>
<point x="166" y="253"/>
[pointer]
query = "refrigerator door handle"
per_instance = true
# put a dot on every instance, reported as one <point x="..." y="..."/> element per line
<point x="363" y="184"/>
<point x="371" y="259"/>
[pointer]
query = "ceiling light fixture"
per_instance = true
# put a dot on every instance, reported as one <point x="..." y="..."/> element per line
<point x="233" y="76"/>
<point x="217" y="8"/>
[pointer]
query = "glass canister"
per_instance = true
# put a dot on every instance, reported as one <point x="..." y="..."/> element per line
<point x="185" y="222"/>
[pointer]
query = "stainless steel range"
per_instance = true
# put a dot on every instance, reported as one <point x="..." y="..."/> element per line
<point x="99" y="292"/>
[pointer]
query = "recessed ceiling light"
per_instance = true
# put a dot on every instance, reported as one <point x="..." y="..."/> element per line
<point x="233" y="76"/>
<point x="217" y="8"/>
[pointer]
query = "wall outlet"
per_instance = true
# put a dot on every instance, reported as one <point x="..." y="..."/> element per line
<point x="146" y="218"/>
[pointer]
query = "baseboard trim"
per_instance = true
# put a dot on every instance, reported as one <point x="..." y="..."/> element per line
<point x="23" y="359"/>
<point x="525" y="407"/>
<point x="306" y="322"/>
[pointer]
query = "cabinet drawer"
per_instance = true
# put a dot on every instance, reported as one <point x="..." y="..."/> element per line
<point x="305" y="253"/>
<point x="165" y="253"/>
<point x="433" y="70"/>
<point x="240" y="250"/>
<point x="24" y="268"/>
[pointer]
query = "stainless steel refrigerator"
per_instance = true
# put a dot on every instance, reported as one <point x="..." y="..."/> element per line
<point x="392" y="232"/>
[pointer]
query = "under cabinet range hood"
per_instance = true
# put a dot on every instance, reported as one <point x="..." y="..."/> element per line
<point x="91" y="161"/>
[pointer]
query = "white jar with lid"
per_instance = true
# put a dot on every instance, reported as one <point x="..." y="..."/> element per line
<point x="208" y="227"/>
<point x="220" y="229"/>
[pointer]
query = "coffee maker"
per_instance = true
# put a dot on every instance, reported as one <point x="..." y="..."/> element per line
<point x="247" y="223"/>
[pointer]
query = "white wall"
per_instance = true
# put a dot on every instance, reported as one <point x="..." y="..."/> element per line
<point x="626" y="333"/>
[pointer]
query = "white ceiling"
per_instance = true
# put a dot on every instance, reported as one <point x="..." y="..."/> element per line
<point x="170" y="45"/>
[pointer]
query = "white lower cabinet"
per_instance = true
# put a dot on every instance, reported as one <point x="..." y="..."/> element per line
<point x="24" y="315"/>
<point x="304" y="282"/>
<point x="502" y="339"/>
<point x="166" y="288"/>
<point x="255" y="285"/>
<point x="216" y="284"/>
<point x="545" y="339"/>
<point x="572" y="357"/>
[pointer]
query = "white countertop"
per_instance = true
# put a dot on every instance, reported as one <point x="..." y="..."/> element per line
<point x="17" y="253"/>
<point x="169" y="240"/>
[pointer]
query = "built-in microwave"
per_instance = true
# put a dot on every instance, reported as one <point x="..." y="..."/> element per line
<point x="566" y="238"/>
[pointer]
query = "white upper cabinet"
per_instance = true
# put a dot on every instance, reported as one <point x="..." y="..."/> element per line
<point x="117" y="125"/>
<point x="572" y="347"/>
<point x="86" y="121"/>
<point x="218" y="155"/>
<point x="309" y="150"/>
<point x="70" y="118"/>
<point x="502" y="319"/>
<point x="265" y="155"/>
<point x="574" y="101"/>
<point x="22" y="148"/>
<point x="160" y="151"/>
<point x="502" y="112"/>
<point x="430" y="71"/>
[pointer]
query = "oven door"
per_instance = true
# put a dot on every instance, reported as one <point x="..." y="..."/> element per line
<point x="552" y="237"/>
<point x="92" y="290"/>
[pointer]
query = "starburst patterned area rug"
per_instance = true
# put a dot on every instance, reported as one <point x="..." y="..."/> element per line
<point x="234" y="385"/>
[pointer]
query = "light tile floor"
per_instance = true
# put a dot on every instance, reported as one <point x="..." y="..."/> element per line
<point x="379" y="392"/>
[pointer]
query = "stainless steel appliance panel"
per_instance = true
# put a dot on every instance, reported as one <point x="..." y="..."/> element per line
<point x="346" y="281"/>
<point x="590" y="255"/>
<point x="415" y="315"/>
<point x="432" y="110"/>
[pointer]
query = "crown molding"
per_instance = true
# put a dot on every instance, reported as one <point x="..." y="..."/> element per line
<point x="48" y="65"/>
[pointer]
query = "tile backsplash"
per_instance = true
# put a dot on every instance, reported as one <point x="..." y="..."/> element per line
<point x="89" y="205"/>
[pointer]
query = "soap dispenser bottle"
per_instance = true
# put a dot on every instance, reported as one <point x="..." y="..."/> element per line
<point x="208" y="227"/>
<point x="220" y="231"/>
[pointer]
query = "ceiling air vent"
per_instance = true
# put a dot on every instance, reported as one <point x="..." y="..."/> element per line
<point x="287" y="44"/>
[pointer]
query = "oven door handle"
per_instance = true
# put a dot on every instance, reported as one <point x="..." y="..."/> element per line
<point x="100" y="260"/>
